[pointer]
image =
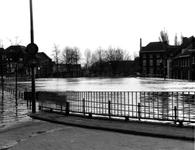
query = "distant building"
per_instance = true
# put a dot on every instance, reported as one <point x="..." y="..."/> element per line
<point x="152" y="59"/>
<point x="67" y="70"/>
<point x="45" y="66"/>
<point x="1" y="62"/>
<point x="184" y="64"/>
<point x="115" y="68"/>
<point x="157" y="58"/>
<point x="15" y="57"/>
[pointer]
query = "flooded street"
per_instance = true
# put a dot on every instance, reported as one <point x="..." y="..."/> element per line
<point x="12" y="112"/>
<point x="113" y="84"/>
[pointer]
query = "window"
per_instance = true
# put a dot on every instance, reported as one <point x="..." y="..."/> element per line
<point x="151" y="62"/>
<point x="157" y="55"/>
<point x="158" y="62"/>
<point x="151" y="71"/>
<point x="144" y="62"/>
<point x="144" y="70"/>
<point x="151" y="56"/>
<point x="144" y="55"/>
<point x="193" y="62"/>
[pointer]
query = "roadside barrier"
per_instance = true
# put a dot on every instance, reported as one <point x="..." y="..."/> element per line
<point x="163" y="106"/>
<point x="20" y="93"/>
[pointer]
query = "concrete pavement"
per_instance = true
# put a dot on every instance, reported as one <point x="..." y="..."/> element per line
<point x="131" y="127"/>
<point x="41" y="135"/>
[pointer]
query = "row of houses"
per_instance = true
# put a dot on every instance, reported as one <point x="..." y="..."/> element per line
<point x="15" y="59"/>
<point x="115" y="68"/>
<point x="156" y="59"/>
<point x="159" y="59"/>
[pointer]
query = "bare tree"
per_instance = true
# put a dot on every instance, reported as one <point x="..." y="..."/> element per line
<point x="76" y="55"/>
<point x="118" y="54"/>
<point x="99" y="56"/>
<point x="88" y="57"/>
<point x="176" y="41"/>
<point x="16" y="41"/>
<point x="164" y="36"/>
<point x="66" y="55"/>
<point x="71" y="55"/>
<point x="111" y="54"/>
<point x="56" y="55"/>
<point x="135" y="54"/>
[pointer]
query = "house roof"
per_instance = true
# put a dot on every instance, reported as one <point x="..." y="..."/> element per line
<point x="42" y="55"/>
<point x="15" y="48"/>
<point x="1" y="50"/>
<point x="154" y="46"/>
<point x="186" y="43"/>
<point x="186" y="52"/>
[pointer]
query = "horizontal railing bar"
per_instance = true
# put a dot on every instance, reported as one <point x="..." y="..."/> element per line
<point x="153" y="105"/>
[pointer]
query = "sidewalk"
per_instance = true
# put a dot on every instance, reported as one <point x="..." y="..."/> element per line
<point x="129" y="127"/>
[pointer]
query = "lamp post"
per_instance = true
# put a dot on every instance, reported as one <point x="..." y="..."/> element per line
<point x="32" y="49"/>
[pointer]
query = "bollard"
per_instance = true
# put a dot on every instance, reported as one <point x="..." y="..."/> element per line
<point x="67" y="108"/>
<point x="90" y="115"/>
<point x="126" y="118"/>
<point x="139" y="111"/>
<point x="83" y="106"/>
<point x="175" y="110"/>
<point x="109" y="109"/>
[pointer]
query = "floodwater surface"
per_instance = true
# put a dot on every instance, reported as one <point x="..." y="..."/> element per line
<point x="113" y="84"/>
<point x="14" y="112"/>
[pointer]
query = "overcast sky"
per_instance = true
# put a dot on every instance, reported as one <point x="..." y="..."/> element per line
<point x="95" y="23"/>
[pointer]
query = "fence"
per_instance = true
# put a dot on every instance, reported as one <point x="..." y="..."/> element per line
<point x="11" y="90"/>
<point x="164" y="106"/>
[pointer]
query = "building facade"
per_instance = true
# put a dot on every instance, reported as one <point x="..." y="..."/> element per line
<point x="184" y="64"/>
<point x="152" y="59"/>
<point x="45" y="66"/>
<point x="159" y="59"/>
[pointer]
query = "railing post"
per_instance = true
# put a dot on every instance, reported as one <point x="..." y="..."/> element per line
<point x="61" y="103"/>
<point x="175" y="110"/>
<point x="109" y="108"/>
<point x="139" y="111"/>
<point x="84" y="106"/>
<point x="67" y="108"/>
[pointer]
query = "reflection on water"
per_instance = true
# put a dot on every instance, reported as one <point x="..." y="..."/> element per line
<point x="12" y="112"/>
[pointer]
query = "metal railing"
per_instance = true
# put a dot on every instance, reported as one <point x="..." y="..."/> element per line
<point x="164" y="106"/>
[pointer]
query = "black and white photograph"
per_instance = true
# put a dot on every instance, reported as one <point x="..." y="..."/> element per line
<point x="97" y="75"/>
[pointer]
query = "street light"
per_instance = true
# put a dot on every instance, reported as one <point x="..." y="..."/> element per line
<point x="32" y="49"/>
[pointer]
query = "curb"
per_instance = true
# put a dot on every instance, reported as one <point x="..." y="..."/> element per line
<point x="34" y="116"/>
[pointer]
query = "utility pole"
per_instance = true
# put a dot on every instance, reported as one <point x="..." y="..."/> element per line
<point x="32" y="67"/>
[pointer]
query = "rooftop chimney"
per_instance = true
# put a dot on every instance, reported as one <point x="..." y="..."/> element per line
<point x="185" y="39"/>
<point x="140" y="43"/>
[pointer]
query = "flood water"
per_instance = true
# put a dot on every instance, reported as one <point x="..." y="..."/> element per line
<point x="113" y="84"/>
<point x="10" y="112"/>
